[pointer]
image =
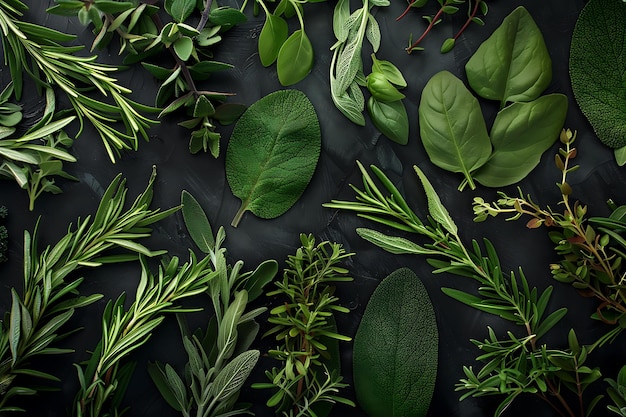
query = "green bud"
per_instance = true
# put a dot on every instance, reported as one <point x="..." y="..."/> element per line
<point x="447" y="45"/>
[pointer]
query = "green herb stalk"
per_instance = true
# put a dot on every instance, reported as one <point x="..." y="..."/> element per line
<point x="304" y="327"/>
<point x="49" y="297"/>
<point x="514" y="365"/>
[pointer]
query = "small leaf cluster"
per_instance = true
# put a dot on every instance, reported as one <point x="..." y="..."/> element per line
<point x="142" y="35"/>
<point x="385" y="106"/>
<point x="617" y="392"/>
<point x="447" y="7"/>
<point x="304" y="327"/>
<point x="39" y="52"/>
<point x="220" y="358"/>
<point x="50" y="294"/>
<point x="293" y="53"/>
<point x="515" y="364"/>
<point x="104" y="377"/>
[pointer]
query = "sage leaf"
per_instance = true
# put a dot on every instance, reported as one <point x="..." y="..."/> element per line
<point x="262" y="275"/>
<point x="513" y="64"/>
<point x="197" y="223"/>
<point x="390" y="118"/>
<point x="295" y="58"/>
<point x="597" y="62"/>
<point x="340" y="17"/>
<point x="521" y="133"/>
<point x="234" y="375"/>
<point x="273" y="35"/>
<point x="272" y="153"/>
<point x="452" y="127"/>
<point x="395" y="349"/>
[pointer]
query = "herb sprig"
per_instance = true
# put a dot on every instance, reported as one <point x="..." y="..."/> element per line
<point x="36" y="50"/>
<point x="514" y="364"/>
<point x="49" y="296"/>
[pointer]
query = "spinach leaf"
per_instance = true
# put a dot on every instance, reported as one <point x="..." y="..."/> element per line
<point x="272" y="153"/>
<point x="452" y="127"/>
<point x="597" y="62"/>
<point x="521" y="133"/>
<point x="513" y="64"/>
<point x="395" y="349"/>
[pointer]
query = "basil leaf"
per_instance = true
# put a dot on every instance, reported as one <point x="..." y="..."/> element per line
<point x="272" y="153"/>
<point x="395" y="349"/>
<point x="452" y="127"/>
<point x="597" y="62"/>
<point x="390" y="119"/>
<point x="513" y="64"/>
<point x="273" y="36"/>
<point x="295" y="58"/>
<point x="521" y="133"/>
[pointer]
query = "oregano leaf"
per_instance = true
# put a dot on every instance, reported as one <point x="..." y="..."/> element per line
<point x="395" y="349"/>
<point x="272" y="153"/>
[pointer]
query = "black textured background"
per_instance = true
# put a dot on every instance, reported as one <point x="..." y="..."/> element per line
<point x="598" y="179"/>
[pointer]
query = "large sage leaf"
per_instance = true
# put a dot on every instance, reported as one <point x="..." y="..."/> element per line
<point x="513" y="64"/>
<point x="395" y="349"/>
<point x="521" y="133"/>
<point x="597" y="63"/>
<point x="272" y="153"/>
<point x="452" y="127"/>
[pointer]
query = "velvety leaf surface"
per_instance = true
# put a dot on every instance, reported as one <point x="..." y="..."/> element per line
<point x="513" y="64"/>
<point x="597" y="62"/>
<point x="452" y="127"/>
<point x="521" y="133"/>
<point x="272" y="153"/>
<point x="396" y="349"/>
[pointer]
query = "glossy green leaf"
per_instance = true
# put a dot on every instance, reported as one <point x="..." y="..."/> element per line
<point x="295" y="58"/>
<point x="183" y="47"/>
<point x="272" y="153"/>
<point x="452" y="127"/>
<point x="226" y="16"/>
<point x="261" y="276"/>
<point x="273" y="35"/>
<point x="180" y="10"/>
<point x="389" y="70"/>
<point x="197" y="223"/>
<point x="396" y="349"/>
<point x="513" y="64"/>
<point x="390" y="118"/>
<point x="521" y="133"/>
<point x="597" y="62"/>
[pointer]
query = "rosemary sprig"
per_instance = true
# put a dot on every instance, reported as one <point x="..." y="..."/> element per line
<point x="103" y="378"/>
<point x="514" y="365"/>
<point x="36" y="50"/>
<point x="49" y="296"/>
<point x="304" y="326"/>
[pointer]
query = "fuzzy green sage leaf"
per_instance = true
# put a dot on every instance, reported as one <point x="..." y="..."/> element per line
<point x="597" y="62"/>
<point x="395" y="349"/>
<point x="272" y="153"/>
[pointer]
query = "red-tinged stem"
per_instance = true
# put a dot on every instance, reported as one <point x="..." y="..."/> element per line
<point x="430" y="26"/>
<point x="406" y="10"/>
<point x="469" y="19"/>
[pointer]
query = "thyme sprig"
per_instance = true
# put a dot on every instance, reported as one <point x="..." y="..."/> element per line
<point x="515" y="364"/>
<point x="304" y="326"/>
<point x="35" y="50"/>
<point x="592" y="248"/>
<point x="50" y="296"/>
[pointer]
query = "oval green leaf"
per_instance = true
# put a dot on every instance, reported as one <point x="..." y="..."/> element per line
<point x="273" y="35"/>
<point x="295" y="58"/>
<point x="197" y="223"/>
<point x="272" y="153"/>
<point x="390" y="119"/>
<point x="521" y="133"/>
<point x="183" y="47"/>
<point x="452" y="127"/>
<point x="597" y="62"/>
<point x="396" y="349"/>
<point x="180" y="10"/>
<point x="513" y="64"/>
